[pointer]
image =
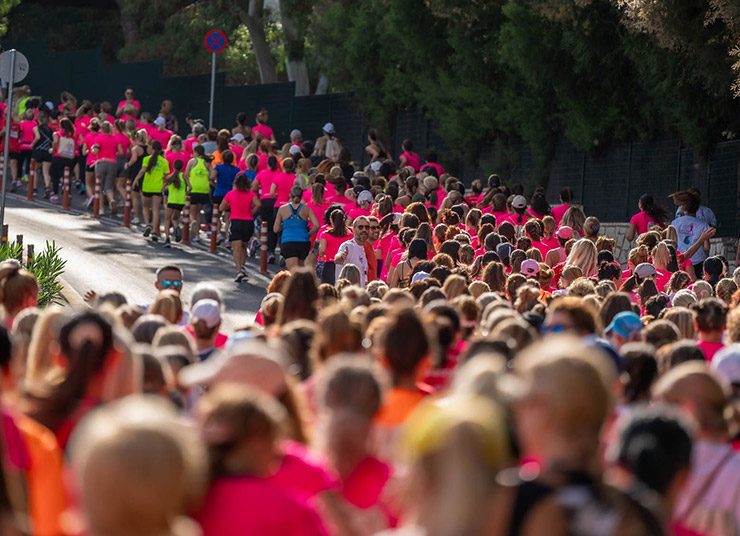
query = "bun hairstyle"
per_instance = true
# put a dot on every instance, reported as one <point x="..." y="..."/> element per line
<point x="17" y="285"/>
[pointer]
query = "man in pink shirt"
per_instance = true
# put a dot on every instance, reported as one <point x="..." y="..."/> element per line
<point x="160" y="132"/>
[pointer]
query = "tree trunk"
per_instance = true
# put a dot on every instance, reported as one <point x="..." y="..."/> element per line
<point x="128" y="24"/>
<point x="252" y="19"/>
<point x="294" y="46"/>
<point x="323" y="86"/>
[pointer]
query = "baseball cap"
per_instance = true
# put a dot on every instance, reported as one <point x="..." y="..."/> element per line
<point x="565" y="232"/>
<point x="328" y="128"/>
<point x="530" y="268"/>
<point x="726" y="363"/>
<point x="294" y="150"/>
<point x="645" y="269"/>
<point x="159" y="121"/>
<point x="375" y="166"/>
<point x="504" y="250"/>
<point x="238" y="137"/>
<point x="519" y="201"/>
<point x="365" y="197"/>
<point x="419" y="276"/>
<point x="624" y="324"/>
<point x="295" y="133"/>
<point x="209" y="311"/>
<point x="249" y="362"/>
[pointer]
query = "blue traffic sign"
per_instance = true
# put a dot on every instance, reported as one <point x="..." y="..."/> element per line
<point x="215" y="41"/>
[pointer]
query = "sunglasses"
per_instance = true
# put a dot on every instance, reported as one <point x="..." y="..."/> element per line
<point x="374" y="227"/>
<point x="175" y="283"/>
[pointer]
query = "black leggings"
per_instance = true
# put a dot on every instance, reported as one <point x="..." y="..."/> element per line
<point x="57" y="171"/>
<point x="267" y="213"/>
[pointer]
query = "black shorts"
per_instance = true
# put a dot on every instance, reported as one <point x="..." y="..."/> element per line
<point x="216" y="199"/>
<point x="121" y="171"/>
<point x="200" y="199"/>
<point x="151" y="194"/>
<point x="40" y="155"/>
<point x="241" y="230"/>
<point x="90" y="169"/>
<point x="175" y="206"/>
<point x="15" y="156"/>
<point x="291" y="250"/>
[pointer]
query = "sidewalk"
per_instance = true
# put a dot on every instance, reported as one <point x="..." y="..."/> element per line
<point x="77" y="208"/>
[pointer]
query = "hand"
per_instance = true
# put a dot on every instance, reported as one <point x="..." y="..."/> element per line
<point x="709" y="233"/>
<point x="90" y="296"/>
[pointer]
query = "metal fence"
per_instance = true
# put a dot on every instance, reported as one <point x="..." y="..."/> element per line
<point x="608" y="184"/>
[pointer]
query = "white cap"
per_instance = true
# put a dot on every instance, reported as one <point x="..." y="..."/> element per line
<point x="328" y="128"/>
<point x="726" y="363"/>
<point x="209" y="311"/>
<point x="519" y="201"/>
<point x="238" y="137"/>
<point x="295" y="133"/>
<point x="160" y="121"/>
<point x="294" y="150"/>
<point x="375" y="166"/>
<point x="365" y="197"/>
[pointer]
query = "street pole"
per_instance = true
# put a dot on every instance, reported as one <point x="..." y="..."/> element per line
<point x="213" y="89"/>
<point x="6" y="149"/>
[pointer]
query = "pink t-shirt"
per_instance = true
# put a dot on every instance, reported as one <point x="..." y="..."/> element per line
<point x="439" y="169"/>
<point x="238" y="151"/>
<point x="501" y="217"/>
<point x="136" y="104"/>
<point x="89" y="141"/>
<point x="302" y="473"/>
<point x="240" y="203"/>
<point x="412" y="159"/>
<point x="283" y="183"/>
<point x="709" y="349"/>
<point x="265" y="178"/>
<point x="26" y="137"/>
<point x="245" y="505"/>
<point x="188" y="145"/>
<point x="558" y="212"/>
<point x="364" y="485"/>
<point x="332" y="244"/>
<point x="356" y="212"/>
<point x="124" y="141"/>
<point x="107" y="147"/>
<point x="173" y="156"/>
<point x="642" y="222"/>
<point x="263" y="130"/>
<point x="82" y="124"/>
<point x="661" y="280"/>
<point x="318" y="210"/>
<point x="162" y="136"/>
<point x="542" y="247"/>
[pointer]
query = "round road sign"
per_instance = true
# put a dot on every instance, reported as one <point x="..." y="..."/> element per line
<point x="215" y="41"/>
<point x="21" y="66"/>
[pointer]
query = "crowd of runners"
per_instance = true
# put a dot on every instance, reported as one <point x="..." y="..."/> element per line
<point x="432" y="360"/>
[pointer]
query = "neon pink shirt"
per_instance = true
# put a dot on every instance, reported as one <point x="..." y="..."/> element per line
<point x="188" y="145"/>
<point x="642" y="222"/>
<point x="26" y="134"/>
<point x="558" y="212"/>
<point x="283" y="183"/>
<point x="162" y="136"/>
<point x="709" y="349"/>
<point x="241" y="505"/>
<point x="412" y="159"/>
<point x="83" y="124"/>
<point x="302" y="473"/>
<point x="124" y="141"/>
<point x="332" y="244"/>
<point x="364" y="485"/>
<point x="661" y="280"/>
<point x="173" y="156"/>
<point x="357" y="212"/>
<point x="262" y="161"/>
<point x="265" y="178"/>
<point x="318" y="210"/>
<point x="542" y="247"/>
<point x="439" y="169"/>
<point x="221" y="338"/>
<point x="107" y="147"/>
<point x="240" y="203"/>
<point x="551" y="243"/>
<point x="501" y="217"/>
<point x="263" y="130"/>
<point x="238" y="151"/>
<point x="136" y="104"/>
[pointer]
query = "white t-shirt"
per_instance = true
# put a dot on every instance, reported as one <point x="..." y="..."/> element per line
<point x="704" y="214"/>
<point x="355" y="255"/>
<point x="689" y="230"/>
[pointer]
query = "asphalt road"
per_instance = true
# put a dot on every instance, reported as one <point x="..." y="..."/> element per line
<point x="104" y="256"/>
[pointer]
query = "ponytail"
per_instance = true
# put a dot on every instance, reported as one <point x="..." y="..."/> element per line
<point x="154" y="157"/>
<point x="272" y="162"/>
<point x="16" y="286"/>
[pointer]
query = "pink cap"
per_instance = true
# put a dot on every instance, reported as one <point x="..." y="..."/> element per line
<point x="565" y="232"/>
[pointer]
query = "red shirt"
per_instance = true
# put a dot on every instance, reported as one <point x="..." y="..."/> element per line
<point x="642" y="222"/>
<point x="162" y="136"/>
<point x="709" y="349"/>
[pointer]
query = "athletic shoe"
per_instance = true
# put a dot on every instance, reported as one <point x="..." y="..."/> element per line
<point x="254" y="244"/>
<point x="239" y="277"/>
<point x="88" y="202"/>
<point x="54" y="199"/>
<point x="135" y="221"/>
<point x="155" y="238"/>
<point x="244" y="272"/>
<point x="271" y="259"/>
<point x="167" y="243"/>
<point x="147" y="231"/>
<point x="47" y="193"/>
<point x="178" y="234"/>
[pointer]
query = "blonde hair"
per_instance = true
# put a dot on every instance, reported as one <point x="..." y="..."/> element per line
<point x="733" y="325"/>
<point x="683" y="319"/>
<point x="167" y="304"/>
<point x="454" y="286"/>
<point x="139" y="469"/>
<point x="584" y="256"/>
<point x="41" y="372"/>
<point x="661" y="256"/>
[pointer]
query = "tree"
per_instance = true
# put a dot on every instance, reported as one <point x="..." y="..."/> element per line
<point x="253" y="18"/>
<point x="293" y="15"/>
<point x="5" y="7"/>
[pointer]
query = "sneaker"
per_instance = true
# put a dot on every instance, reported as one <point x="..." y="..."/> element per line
<point x="89" y="202"/>
<point x="196" y="239"/>
<point x="147" y="231"/>
<point x="167" y="242"/>
<point x="135" y="221"/>
<point x="254" y="244"/>
<point x="271" y="259"/>
<point x="178" y="234"/>
<point x="227" y="245"/>
<point x="54" y="199"/>
<point x="113" y="208"/>
<point x="243" y="271"/>
<point x="47" y="193"/>
<point x="155" y="238"/>
<point x="239" y="277"/>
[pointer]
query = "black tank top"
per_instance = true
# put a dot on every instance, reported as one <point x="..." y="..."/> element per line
<point x="136" y="166"/>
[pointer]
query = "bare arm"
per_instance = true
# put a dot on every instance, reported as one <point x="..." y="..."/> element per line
<point x="631" y="233"/>
<point x="703" y="241"/>
<point x="278" y="221"/>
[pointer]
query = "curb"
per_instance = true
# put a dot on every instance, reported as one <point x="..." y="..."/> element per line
<point x="254" y="276"/>
<point x="71" y="296"/>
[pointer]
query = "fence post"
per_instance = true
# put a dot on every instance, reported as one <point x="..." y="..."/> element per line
<point x="31" y="187"/>
<point x="96" y="197"/>
<point x="30" y="255"/>
<point x="263" y="248"/>
<point x="186" y="220"/>
<point x="215" y="229"/>
<point x="19" y="241"/>
<point x="127" y="205"/>
<point x="4" y="237"/>
<point x="65" y="189"/>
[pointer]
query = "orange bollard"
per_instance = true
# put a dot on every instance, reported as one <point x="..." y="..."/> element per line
<point x="96" y="197"/>
<point x="65" y="189"/>
<point x="186" y="220"/>
<point x="263" y="248"/>
<point x="215" y="229"/>
<point x="127" y="205"/>
<point x="31" y="181"/>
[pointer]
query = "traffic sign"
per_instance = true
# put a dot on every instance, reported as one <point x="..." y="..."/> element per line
<point x="215" y="41"/>
<point x="21" y="66"/>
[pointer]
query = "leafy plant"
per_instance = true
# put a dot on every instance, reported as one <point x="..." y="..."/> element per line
<point x="47" y="266"/>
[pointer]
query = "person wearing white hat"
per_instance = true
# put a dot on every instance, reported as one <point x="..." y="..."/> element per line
<point x="296" y="138"/>
<point x="328" y="145"/>
<point x="364" y="202"/>
<point x="205" y="319"/>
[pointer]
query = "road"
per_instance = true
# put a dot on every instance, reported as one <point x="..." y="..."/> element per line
<point x="105" y="256"/>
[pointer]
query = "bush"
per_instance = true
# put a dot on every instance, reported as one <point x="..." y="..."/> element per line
<point x="47" y="266"/>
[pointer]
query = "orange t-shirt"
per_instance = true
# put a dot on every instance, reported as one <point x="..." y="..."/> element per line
<point x="398" y="406"/>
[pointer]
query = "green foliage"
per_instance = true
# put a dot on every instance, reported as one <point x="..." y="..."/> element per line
<point x="47" y="266"/>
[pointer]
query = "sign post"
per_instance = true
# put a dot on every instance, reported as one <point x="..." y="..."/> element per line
<point x="13" y="68"/>
<point x="215" y="42"/>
